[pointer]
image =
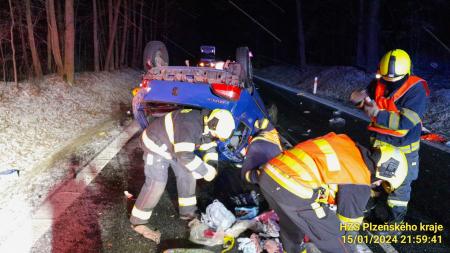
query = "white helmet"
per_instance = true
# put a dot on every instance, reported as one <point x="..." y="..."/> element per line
<point x="391" y="167"/>
<point x="220" y="123"/>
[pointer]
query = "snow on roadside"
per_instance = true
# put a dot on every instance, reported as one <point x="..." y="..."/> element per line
<point x="35" y="122"/>
<point x="337" y="83"/>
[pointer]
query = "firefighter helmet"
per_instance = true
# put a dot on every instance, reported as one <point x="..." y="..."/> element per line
<point x="220" y="123"/>
<point x="394" y="65"/>
<point x="392" y="167"/>
<point x="135" y="91"/>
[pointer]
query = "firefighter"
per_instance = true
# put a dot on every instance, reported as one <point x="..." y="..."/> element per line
<point x="261" y="149"/>
<point x="329" y="169"/>
<point x="399" y="101"/>
<point x="172" y="140"/>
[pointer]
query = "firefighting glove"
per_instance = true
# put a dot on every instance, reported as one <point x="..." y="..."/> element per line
<point x="357" y="98"/>
<point x="210" y="174"/>
<point x="371" y="109"/>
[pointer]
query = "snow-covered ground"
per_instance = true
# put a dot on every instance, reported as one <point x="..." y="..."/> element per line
<point x="41" y="117"/>
<point x="337" y="83"/>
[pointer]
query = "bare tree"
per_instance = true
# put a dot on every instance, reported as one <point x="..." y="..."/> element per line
<point x="372" y="35"/>
<point x="34" y="54"/>
<point x="95" y="35"/>
<point x="124" y="33"/>
<point x="69" y="43"/>
<point x="300" y="35"/>
<point x="54" y="36"/>
<point x="139" y="38"/>
<point x="25" y="58"/>
<point x="112" y="38"/>
<point x="11" y="12"/>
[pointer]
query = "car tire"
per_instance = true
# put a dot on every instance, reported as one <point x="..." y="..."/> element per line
<point x="272" y="110"/>
<point x="155" y="54"/>
<point x="243" y="58"/>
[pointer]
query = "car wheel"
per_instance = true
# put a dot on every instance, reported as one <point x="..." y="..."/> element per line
<point x="272" y="110"/>
<point x="243" y="58"/>
<point x="155" y="55"/>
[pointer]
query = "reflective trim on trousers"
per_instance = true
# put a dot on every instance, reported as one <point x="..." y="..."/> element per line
<point x="347" y="220"/>
<point x="194" y="164"/>
<point x="392" y="202"/>
<point x="191" y="201"/>
<point x="143" y="215"/>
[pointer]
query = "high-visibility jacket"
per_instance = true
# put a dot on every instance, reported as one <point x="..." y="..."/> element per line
<point x="177" y="135"/>
<point x="402" y="107"/>
<point x="319" y="163"/>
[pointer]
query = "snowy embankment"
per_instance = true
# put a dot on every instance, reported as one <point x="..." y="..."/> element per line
<point x="337" y="83"/>
<point x="40" y="118"/>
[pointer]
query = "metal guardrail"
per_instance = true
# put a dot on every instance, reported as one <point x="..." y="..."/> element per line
<point x="355" y="113"/>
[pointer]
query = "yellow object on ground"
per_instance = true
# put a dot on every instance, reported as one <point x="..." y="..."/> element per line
<point x="228" y="243"/>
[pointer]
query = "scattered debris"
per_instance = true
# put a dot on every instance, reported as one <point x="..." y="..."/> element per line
<point x="217" y="216"/>
<point x="128" y="195"/>
<point x="246" y="213"/>
<point x="306" y="112"/>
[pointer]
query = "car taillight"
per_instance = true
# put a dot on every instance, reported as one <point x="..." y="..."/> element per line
<point x="229" y="92"/>
<point x="144" y="83"/>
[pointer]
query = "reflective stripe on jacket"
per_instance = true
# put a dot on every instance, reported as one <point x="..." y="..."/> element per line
<point x="388" y="104"/>
<point x="330" y="159"/>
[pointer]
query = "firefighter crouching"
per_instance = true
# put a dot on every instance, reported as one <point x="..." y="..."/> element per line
<point x="329" y="169"/>
<point x="172" y="140"/>
<point x="399" y="101"/>
<point x="264" y="146"/>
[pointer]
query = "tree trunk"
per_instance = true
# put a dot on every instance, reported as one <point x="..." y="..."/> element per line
<point x="34" y="54"/>
<point x="116" y="46"/>
<point x="372" y="35"/>
<point x="139" y="39"/>
<point x="69" y="43"/>
<point x="59" y="11"/>
<point x="49" y="51"/>
<point x="11" y="12"/>
<point x="109" y="53"/>
<point x="110" y="25"/>
<point x="54" y="37"/>
<point x="135" y="32"/>
<point x="360" y="56"/>
<point x="3" y="62"/>
<point x="95" y="34"/>
<point x="24" y="46"/>
<point x="301" y="36"/>
<point x="124" y="34"/>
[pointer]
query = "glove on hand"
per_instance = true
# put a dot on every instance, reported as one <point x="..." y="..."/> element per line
<point x="211" y="174"/>
<point x="357" y="98"/>
<point x="371" y="109"/>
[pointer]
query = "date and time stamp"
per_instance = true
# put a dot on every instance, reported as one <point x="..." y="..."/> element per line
<point x="410" y="233"/>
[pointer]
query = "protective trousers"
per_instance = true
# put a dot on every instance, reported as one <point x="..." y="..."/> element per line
<point x="297" y="218"/>
<point x="398" y="200"/>
<point x="351" y="202"/>
<point x="156" y="173"/>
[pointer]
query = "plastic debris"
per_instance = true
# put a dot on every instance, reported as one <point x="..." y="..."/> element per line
<point x="447" y="143"/>
<point x="217" y="216"/>
<point x="246" y="213"/>
<point x="246" y="199"/>
<point x="9" y="175"/>
<point x="267" y="224"/>
<point x="249" y="245"/>
<point x="239" y="227"/>
<point x="128" y="195"/>
<point x="273" y="246"/>
<point x="337" y="122"/>
<point x="201" y="234"/>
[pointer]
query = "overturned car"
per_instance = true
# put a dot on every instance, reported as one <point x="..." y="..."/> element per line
<point x="166" y="88"/>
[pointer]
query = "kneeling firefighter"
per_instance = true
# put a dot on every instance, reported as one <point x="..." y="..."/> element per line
<point x="172" y="140"/>
<point x="300" y="183"/>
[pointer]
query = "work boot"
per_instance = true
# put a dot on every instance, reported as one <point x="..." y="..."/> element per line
<point x="148" y="233"/>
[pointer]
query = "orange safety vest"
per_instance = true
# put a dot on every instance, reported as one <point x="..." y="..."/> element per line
<point x="327" y="160"/>
<point x="388" y="103"/>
